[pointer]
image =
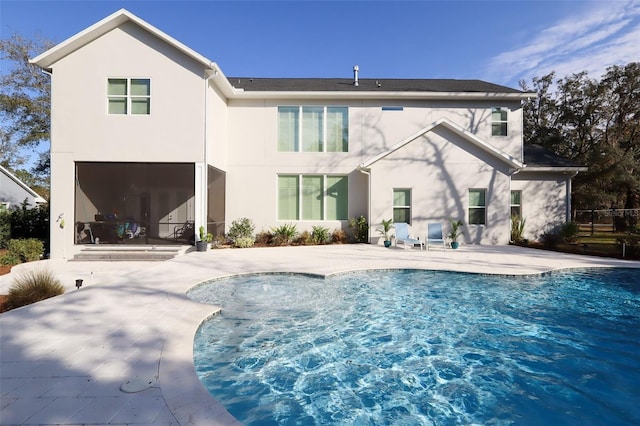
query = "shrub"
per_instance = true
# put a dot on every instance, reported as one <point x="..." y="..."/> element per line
<point x="569" y="232"/>
<point x="33" y="286"/>
<point x="20" y="251"/>
<point x="264" y="238"/>
<point x="243" y="242"/>
<point x="359" y="229"/>
<point x="304" y="238"/>
<point x="284" y="234"/>
<point x="319" y="235"/>
<point x="5" y="226"/>
<point x="31" y="222"/>
<point x="517" y="229"/>
<point x="339" y="236"/>
<point x="241" y="228"/>
<point x="550" y="239"/>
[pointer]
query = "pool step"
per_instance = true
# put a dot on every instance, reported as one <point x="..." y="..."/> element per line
<point x="129" y="253"/>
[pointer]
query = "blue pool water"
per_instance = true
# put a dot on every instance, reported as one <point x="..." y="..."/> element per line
<point x="424" y="348"/>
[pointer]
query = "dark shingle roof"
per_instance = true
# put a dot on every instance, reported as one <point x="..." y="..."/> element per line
<point x="369" y="84"/>
<point x="537" y="156"/>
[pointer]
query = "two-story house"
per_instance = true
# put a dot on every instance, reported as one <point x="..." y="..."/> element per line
<point x="150" y="140"/>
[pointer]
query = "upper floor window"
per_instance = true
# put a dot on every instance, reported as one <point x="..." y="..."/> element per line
<point x="313" y="129"/>
<point x="129" y="96"/>
<point x="498" y="121"/>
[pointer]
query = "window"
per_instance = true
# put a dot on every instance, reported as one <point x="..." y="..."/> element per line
<point x="477" y="207"/>
<point x="498" y="121"/>
<point x="402" y="205"/>
<point x="322" y="129"/>
<point x="129" y="96"/>
<point x="312" y="197"/>
<point x="516" y="203"/>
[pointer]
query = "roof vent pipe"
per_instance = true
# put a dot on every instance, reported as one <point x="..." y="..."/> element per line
<point x="355" y="75"/>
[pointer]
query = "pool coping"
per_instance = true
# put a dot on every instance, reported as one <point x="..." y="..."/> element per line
<point x="157" y="292"/>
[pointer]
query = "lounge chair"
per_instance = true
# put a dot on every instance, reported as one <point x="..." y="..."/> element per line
<point x="434" y="235"/>
<point x="402" y="236"/>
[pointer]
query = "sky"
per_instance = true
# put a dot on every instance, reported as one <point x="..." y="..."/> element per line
<point x="498" y="41"/>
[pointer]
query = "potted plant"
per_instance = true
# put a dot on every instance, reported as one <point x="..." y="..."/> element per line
<point x="384" y="229"/>
<point x="205" y="239"/>
<point x="455" y="232"/>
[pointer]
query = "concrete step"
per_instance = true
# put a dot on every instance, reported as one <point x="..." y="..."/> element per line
<point x="129" y="253"/>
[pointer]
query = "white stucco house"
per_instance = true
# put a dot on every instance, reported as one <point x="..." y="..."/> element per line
<point x="14" y="192"/>
<point x="151" y="140"/>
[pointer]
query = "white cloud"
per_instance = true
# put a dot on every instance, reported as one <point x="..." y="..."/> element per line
<point x="591" y="40"/>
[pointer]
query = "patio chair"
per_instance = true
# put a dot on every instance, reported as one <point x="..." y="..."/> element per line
<point x="402" y="236"/>
<point x="434" y="235"/>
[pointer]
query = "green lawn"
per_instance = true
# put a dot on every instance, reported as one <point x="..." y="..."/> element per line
<point x="600" y="244"/>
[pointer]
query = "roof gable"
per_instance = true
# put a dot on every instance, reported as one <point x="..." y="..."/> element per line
<point x="455" y="128"/>
<point x="51" y="56"/>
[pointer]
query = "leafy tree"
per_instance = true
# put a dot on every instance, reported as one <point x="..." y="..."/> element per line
<point x="25" y="93"/>
<point x="596" y="124"/>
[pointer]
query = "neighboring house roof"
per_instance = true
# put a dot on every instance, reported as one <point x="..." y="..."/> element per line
<point x="455" y="128"/>
<point x="538" y="158"/>
<point x="19" y="190"/>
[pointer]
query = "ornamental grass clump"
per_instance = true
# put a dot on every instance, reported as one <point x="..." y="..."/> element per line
<point x="33" y="286"/>
<point x="284" y="235"/>
<point x="320" y="235"/>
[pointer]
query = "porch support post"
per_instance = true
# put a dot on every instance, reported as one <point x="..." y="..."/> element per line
<point x="200" y="204"/>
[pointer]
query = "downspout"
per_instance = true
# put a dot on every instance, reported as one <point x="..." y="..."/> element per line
<point x="368" y="174"/>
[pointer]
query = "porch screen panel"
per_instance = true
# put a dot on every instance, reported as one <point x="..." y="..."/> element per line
<point x="312" y="129"/>
<point x="288" y="129"/>
<point x="312" y="198"/>
<point x="288" y="203"/>
<point x="337" y="129"/>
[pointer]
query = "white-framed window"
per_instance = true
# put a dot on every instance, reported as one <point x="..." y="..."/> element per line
<point x="516" y="203"/>
<point x="129" y="96"/>
<point x="499" y="119"/>
<point x="313" y="129"/>
<point x="313" y="197"/>
<point x="402" y="205"/>
<point x="477" y="207"/>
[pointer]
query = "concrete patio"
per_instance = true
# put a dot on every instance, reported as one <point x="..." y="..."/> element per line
<point x="130" y="327"/>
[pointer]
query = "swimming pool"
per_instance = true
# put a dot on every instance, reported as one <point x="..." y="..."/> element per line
<point x="420" y="347"/>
